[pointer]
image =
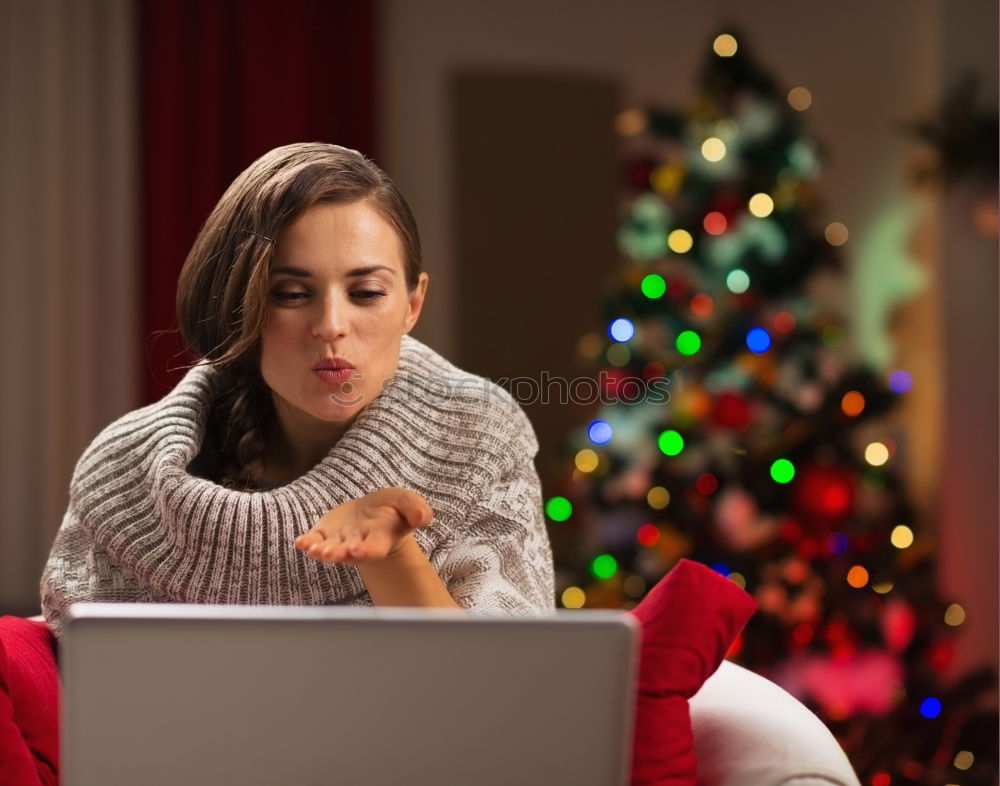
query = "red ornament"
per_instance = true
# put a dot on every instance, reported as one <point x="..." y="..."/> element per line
<point x="827" y="492"/>
<point x="706" y="483"/>
<point x="899" y="623"/>
<point x="648" y="535"/>
<point x="730" y="410"/>
<point x="802" y="633"/>
<point x="941" y="654"/>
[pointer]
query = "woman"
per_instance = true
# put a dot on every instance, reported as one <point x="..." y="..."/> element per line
<point x="316" y="453"/>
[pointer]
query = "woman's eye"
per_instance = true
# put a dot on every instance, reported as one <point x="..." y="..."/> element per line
<point x="368" y="294"/>
<point x="289" y="296"/>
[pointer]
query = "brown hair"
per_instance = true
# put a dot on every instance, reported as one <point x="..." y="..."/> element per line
<point x="222" y="288"/>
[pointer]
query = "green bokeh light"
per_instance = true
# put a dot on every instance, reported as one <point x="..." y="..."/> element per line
<point x="688" y="342"/>
<point x="604" y="567"/>
<point x="653" y="286"/>
<point x="558" y="508"/>
<point x="782" y="471"/>
<point x="671" y="443"/>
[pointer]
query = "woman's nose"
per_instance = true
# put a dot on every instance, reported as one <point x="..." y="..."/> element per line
<point x="330" y="322"/>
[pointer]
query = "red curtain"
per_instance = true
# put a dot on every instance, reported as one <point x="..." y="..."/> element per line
<point x="222" y="82"/>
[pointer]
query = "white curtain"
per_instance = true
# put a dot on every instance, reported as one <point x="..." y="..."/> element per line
<point x="69" y="273"/>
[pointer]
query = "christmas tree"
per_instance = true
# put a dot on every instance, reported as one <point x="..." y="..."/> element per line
<point x="738" y="428"/>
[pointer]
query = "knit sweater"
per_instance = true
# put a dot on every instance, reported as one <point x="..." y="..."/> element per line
<point x="139" y="527"/>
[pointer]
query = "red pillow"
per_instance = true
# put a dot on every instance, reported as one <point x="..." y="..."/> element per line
<point x="689" y="620"/>
<point x="29" y="704"/>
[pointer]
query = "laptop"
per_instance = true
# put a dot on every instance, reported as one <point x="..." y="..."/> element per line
<point x="158" y="694"/>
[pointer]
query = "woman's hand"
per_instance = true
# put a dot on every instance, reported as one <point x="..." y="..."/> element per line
<point x="371" y="527"/>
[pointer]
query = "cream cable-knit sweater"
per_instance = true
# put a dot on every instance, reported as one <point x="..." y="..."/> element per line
<point x="140" y="527"/>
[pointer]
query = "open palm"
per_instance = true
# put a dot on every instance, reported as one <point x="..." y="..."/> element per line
<point x="371" y="527"/>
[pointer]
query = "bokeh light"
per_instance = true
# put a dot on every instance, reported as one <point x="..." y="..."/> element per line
<point x="857" y="577"/>
<point x="648" y="535"/>
<point x="901" y="537"/>
<point x="725" y="45"/>
<point x="702" y="305"/>
<point x="737" y="281"/>
<point x="900" y="381"/>
<point x="558" y="508"/>
<point x="715" y="223"/>
<point x="634" y="586"/>
<point x="604" y="566"/>
<point x="621" y="329"/>
<point x="713" y="149"/>
<point x="782" y="471"/>
<point x="680" y="241"/>
<point x="761" y="205"/>
<point x="758" y="340"/>
<point x="653" y="286"/>
<point x="706" y="484"/>
<point x="852" y="404"/>
<point x="573" y="598"/>
<point x="876" y="454"/>
<point x="586" y="460"/>
<point x="630" y="122"/>
<point x="963" y="760"/>
<point x="930" y="707"/>
<point x="671" y="443"/>
<point x="954" y="615"/>
<point x="738" y="579"/>
<point x="599" y="432"/>
<point x="799" y="98"/>
<point x="836" y="234"/>
<point x="658" y="498"/>
<point x="784" y="322"/>
<point x="836" y="542"/>
<point x="618" y="355"/>
<point x="688" y="342"/>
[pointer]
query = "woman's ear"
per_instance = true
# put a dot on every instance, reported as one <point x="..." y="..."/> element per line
<point x="416" y="302"/>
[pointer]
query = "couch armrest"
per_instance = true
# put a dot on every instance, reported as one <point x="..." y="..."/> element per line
<point x="748" y="731"/>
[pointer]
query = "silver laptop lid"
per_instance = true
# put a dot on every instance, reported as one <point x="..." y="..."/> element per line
<point x="178" y="694"/>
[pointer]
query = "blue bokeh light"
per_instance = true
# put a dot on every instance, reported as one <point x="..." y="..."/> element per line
<point x="930" y="707"/>
<point x="837" y="542"/>
<point x="621" y="329"/>
<point x="720" y="567"/>
<point x="599" y="432"/>
<point x="758" y="340"/>
<point x="900" y="381"/>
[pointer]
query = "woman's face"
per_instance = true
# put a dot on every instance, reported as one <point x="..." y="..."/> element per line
<point x="337" y="290"/>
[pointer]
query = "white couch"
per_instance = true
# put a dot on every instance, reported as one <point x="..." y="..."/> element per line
<point x="748" y="731"/>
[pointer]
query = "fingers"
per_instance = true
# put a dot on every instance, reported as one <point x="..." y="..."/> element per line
<point x="308" y="539"/>
<point x="375" y="545"/>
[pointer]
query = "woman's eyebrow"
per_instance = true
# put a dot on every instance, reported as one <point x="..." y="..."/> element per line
<point x="358" y="271"/>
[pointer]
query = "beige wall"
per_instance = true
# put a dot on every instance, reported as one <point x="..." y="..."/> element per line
<point x="68" y="271"/>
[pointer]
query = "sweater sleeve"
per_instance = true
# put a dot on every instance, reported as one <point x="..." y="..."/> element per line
<point x="500" y="559"/>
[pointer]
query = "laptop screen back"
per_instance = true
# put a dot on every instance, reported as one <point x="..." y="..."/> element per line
<point x="170" y="694"/>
